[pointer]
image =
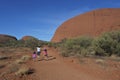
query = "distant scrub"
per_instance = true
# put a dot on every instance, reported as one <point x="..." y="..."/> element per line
<point x="31" y="43"/>
<point x="51" y="44"/>
<point x="106" y="44"/>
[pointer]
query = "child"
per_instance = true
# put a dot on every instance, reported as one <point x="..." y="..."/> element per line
<point x="34" y="56"/>
<point x="45" y="53"/>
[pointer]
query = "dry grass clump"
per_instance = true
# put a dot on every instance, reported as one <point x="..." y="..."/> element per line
<point x="13" y="67"/>
<point x="2" y="65"/>
<point x="3" y="57"/>
<point x="101" y="62"/>
<point x="19" y="61"/>
<point x="115" y="58"/>
<point x="26" y="57"/>
<point x="2" y="74"/>
<point x="23" y="59"/>
<point x="14" y="62"/>
<point x="23" y="71"/>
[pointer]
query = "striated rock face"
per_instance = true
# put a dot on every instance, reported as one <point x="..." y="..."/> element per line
<point x="91" y="23"/>
<point x="5" y="38"/>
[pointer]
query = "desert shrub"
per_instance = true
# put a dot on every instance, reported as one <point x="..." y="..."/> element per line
<point x="23" y="71"/>
<point x="13" y="43"/>
<point x="117" y="50"/>
<point x="5" y="44"/>
<point x="14" y="67"/>
<point x="75" y="46"/>
<point x="3" y="57"/>
<point x="51" y="44"/>
<point x="1" y="45"/>
<point x="19" y="43"/>
<point x="30" y="43"/>
<point x="108" y="44"/>
<point x="19" y="61"/>
<point x="2" y="65"/>
<point x="100" y="62"/>
<point x="66" y="47"/>
<point x="84" y="41"/>
<point x="64" y="53"/>
<point x="25" y="57"/>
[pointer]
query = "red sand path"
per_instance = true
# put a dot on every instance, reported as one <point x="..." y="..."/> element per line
<point x="67" y="69"/>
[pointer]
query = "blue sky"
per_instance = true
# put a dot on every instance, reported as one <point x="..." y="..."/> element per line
<point x="40" y="18"/>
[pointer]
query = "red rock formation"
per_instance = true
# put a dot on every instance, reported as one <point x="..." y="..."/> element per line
<point x="91" y="23"/>
<point x="5" y="38"/>
<point x="28" y="38"/>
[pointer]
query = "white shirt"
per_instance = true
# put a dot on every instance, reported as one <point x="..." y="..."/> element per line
<point x="38" y="49"/>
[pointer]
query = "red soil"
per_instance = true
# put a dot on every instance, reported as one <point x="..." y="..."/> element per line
<point x="91" y="23"/>
<point x="60" y="68"/>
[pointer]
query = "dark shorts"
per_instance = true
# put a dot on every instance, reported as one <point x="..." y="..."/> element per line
<point x="38" y="53"/>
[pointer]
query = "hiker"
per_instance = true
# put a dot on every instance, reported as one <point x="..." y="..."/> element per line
<point x="45" y="53"/>
<point x="38" y="52"/>
<point x="34" y="56"/>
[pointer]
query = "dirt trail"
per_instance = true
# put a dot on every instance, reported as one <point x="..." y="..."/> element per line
<point x="59" y="69"/>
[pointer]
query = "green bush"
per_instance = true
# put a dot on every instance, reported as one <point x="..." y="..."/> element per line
<point x="108" y="44"/>
<point x="75" y="46"/>
<point x="52" y="44"/>
<point x="31" y="43"/>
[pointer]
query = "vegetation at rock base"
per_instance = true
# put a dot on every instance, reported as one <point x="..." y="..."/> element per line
<point x="106" y="44"/>
<point x="30" y="43"/>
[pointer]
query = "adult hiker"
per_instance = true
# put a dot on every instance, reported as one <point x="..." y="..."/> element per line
<point x="38" y="52"/>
